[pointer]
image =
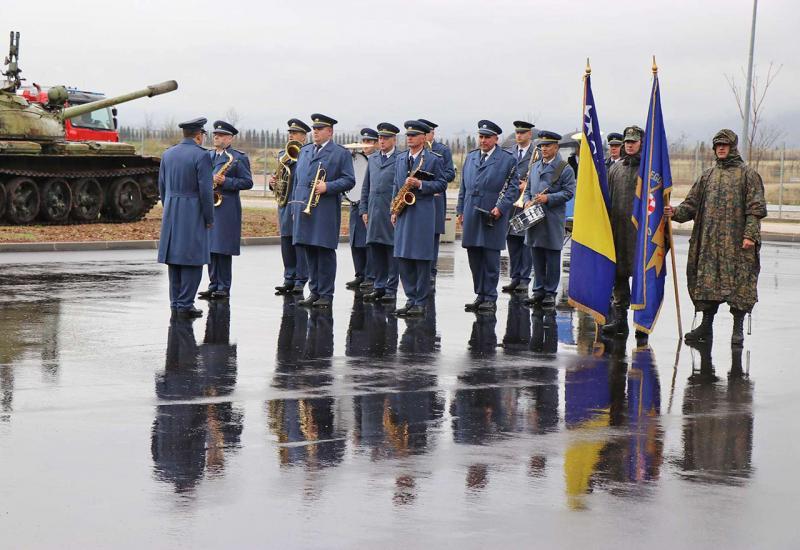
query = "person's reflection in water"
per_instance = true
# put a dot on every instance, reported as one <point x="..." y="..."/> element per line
<point x="394" y="425"/>
<point x="305" y="426"/>
<point x="190" y="438"/>
<point x="544" y="337"/>
<point x="518" y="326"/>
<point x="372" y="331"/>
<point x="483" y="339"/>
<point x="718" y="423"/>
<point x="419" y="337"/>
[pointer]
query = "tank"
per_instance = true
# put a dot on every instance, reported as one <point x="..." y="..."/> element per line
<point x="46" y="179"/>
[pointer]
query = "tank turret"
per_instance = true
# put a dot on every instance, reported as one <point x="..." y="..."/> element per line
<point x="44" y="177"/>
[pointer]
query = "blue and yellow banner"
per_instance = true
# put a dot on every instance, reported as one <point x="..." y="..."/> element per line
<point x="652" y="193"/>
<point x="593" y="260"/>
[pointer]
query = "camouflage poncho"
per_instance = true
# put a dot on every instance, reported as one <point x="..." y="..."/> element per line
<point x="726" y="204"/>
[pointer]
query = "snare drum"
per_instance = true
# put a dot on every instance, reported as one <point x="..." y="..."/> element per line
<point x="360" y="168"/>
<point x="527" y="218"/>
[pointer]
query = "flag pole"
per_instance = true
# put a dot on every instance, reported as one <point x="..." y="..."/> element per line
<point x="672" y="245"/>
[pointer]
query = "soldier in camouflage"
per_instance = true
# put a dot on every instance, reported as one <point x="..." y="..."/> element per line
<point x="622" y="187"/>
<point x="726" y="204"/>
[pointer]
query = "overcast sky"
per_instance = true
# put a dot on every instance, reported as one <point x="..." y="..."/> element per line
<point x="451" y="61"/>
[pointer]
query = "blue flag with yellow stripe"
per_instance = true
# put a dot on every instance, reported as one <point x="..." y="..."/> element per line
<point x="652" y="192"/>
<point x="593" y="258"/>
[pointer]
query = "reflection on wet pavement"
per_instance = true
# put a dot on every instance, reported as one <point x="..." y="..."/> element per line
<point x="439" y="431"/>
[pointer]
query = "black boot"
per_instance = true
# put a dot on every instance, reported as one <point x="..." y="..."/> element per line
<point x="737" y="338"/>
<point x="619" y="325"/>
<point x="704" y="332"/>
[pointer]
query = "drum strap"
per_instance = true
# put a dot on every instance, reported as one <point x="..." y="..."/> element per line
<point x="557" y="174"/>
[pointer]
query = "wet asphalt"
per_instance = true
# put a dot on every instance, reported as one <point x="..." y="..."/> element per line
<point x="264" y="424"/>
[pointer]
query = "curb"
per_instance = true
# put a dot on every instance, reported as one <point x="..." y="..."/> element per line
<point x="120" y="245"/>
<point x="248" y="241"/>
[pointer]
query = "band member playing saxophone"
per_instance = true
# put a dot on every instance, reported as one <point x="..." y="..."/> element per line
<point x="414" y="216"/>
<point x="231" y="175"/>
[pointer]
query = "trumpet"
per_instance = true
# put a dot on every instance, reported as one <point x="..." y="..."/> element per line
<point x="222" y="172"/>
<point x="283" y="174"/>
<point x="405" y="196"/>
<point x="313" y="196"/>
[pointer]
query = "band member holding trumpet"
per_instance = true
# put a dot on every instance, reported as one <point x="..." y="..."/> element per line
<point x="489" y="186"/>
<point x="519" y="255"/>
<point x="324" y="172"/>
<point x="295" y="265"/>
<point x="375" y="209"/>
<point x="418" y="177"/>
<point x="551" y="184"/>
<point x="449" y="174"/>
<point x="358" y="228"/>
<point x="231" y="175"/>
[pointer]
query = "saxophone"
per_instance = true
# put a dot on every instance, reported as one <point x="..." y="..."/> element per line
<point x="405" y="196"/>
<point x="222" y="171"/>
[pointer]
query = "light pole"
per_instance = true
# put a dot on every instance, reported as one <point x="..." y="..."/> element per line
<point x="748" y="86"/>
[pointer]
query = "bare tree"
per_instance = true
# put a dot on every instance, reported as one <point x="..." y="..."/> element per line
<point x="762" y="136"/>
<point x="232" y="116"/>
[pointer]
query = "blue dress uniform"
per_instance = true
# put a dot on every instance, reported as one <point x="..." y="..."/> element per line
<point x="226" y="234"/>
<point x="489" y="180"/>
<point x="519" y="255"/>
<point x="413" y="234"/>
<point x="318" y="232"/>
<point x="358" y="229"/>
<point x="449" y="174"/>
<point x="547" y="237"/>
<point x="184" y="185"/>
<point x="376" y="201"/>
<point x="295" y="266"/>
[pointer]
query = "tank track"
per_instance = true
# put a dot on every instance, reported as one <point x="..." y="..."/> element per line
<point x="149" y="196"/>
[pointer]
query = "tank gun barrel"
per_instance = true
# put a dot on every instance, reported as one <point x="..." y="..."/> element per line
<point x="150" y="91"/>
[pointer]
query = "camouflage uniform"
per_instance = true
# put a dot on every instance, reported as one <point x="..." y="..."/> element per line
<point x="726" y="204"/>
<point x="622" y="187"/>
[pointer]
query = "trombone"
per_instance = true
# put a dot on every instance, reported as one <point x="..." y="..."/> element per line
<point x="520" y="202"/>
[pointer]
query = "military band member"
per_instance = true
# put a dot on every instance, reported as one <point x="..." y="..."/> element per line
<point x="449" y="174"/>
<point x="615" y="142"/>
<point x="727" y="204"/>
<point x="415" y="227"/>
<point x="185" y="187"/>
<point x="375" y="206"/>
<point x="358" y="228"/>
<point x="551" y="183"/>
<point x="295" y="265"/>
<point x="226" y="235"/>
<point x="316" y="228"/>
<point x="622" y="178"/>
<point x="519" y="255"/>
<point x="489" y="186"/>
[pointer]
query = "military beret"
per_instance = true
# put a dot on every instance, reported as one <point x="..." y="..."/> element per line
<point x="488" y="128"/>
<point x="368" y="133"/>
<point x="387" y="129"/>
<point x="522" y="126"/>
<point x="615" y="138"/>
<point x="415" y="127"/>
<point x="194" y="124"/>
<point x="633" y="133"/>
<point x="546" y="136"/>
<point x="297" y="125"/>
<point x="222" y="127"/>
<point x="322" y="121"/>
<point x="432" y="125"/>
